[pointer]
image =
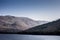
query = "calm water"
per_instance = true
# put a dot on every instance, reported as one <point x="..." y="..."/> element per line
<point x="27" y="37"/>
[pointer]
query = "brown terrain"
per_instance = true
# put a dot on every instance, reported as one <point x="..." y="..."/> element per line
<point x="18" y="23"/>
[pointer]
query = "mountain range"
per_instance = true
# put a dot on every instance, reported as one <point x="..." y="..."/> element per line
<point x="12" y="23"/>
<point x="48" y="28"/>
<point x="24" y="25"/>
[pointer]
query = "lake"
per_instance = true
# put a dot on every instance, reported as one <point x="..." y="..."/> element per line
<point x="27" y="37"/>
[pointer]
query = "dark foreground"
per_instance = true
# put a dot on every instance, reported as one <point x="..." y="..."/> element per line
<point x="33" y="33"/>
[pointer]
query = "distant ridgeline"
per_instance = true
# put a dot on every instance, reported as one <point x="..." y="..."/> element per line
<point x="48" y="28"/>
<point x="12" y="24"/>
<point x="23" y="25"/>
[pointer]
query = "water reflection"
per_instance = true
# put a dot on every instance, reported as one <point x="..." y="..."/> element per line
<point x="27" y="37"/>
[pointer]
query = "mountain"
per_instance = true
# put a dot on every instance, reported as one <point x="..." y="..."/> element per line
<point x="48" y="28"/>
<point x="10" y="23"/>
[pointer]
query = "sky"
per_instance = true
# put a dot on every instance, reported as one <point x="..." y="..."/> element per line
<point x="47" y="10"/>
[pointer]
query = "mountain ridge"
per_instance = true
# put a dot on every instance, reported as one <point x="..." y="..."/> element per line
<point x="48" y="28"/>
<point x="20" y="23"/>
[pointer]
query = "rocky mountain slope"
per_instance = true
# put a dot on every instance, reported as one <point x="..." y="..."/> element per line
<point x="18" y="23"/>
<point x="51" y="27"/>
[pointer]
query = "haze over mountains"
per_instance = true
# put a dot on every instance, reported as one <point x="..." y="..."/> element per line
<point x="18" y="23"/>
<point x="51" y="27"/>
<point x="26" y="25"/>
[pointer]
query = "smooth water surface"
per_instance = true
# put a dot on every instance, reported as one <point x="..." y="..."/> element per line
<point x="27" y="37"/>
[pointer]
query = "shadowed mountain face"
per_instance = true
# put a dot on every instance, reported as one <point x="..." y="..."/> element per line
<point x="52" y="27"/>
<point x="18" y="23"/>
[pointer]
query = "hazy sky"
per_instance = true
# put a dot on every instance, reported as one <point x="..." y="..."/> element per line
<point x="48" y="10"/>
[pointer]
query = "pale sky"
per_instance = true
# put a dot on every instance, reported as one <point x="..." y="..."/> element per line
<point x="47" y="10"/>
